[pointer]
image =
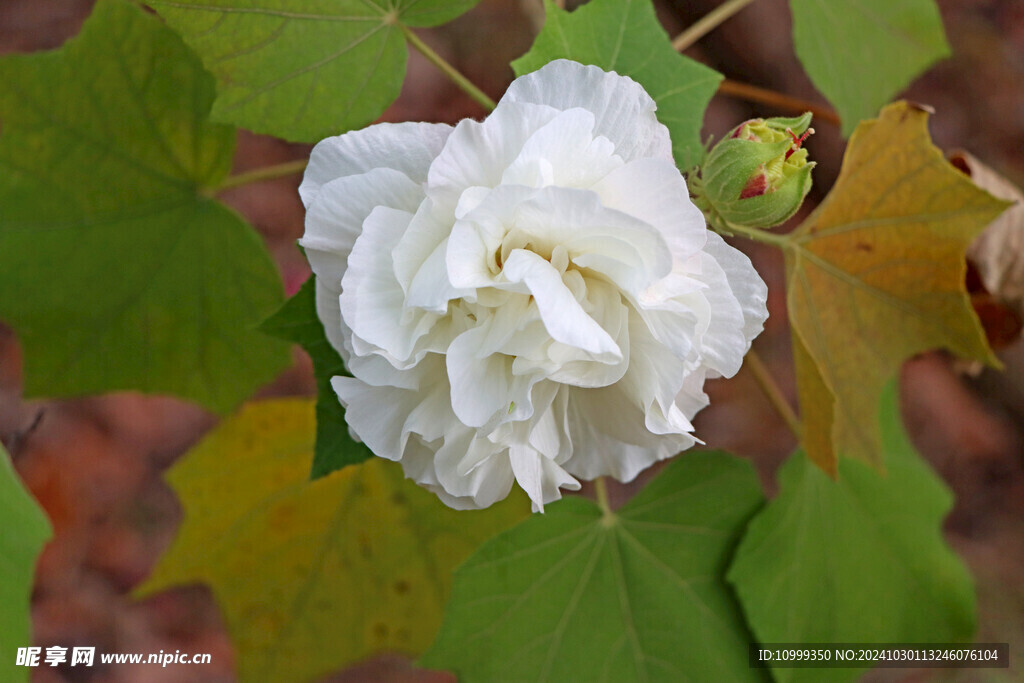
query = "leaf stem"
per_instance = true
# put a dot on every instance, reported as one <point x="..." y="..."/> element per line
<point x="777" y="99"/>
<point x="771" y="390"/>
<point x="258" y="175"/>
<point x="457" y="78"/>
<point x="708" y="23"/>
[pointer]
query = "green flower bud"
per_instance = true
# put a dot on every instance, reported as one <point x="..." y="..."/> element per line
<point x="759" y="175"/>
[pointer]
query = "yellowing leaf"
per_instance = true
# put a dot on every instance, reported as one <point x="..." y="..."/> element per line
<point x="313" y="575"/>
<point x="876" y="275"/>
<point x="816" y="407"/>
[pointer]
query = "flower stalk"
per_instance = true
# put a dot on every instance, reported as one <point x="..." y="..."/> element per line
<point x="601" y="489"/>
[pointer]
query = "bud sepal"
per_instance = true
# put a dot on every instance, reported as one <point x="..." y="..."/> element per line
<point x="759" y="175"/>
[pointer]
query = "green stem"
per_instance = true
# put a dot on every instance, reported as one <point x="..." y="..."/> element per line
<point x="260" y="174"/>
<point x="708" y="23"/>
<point x="756" y="234"/>
<point x="601" y="488"/>
<point x="457" y="78"/>
<point x="771" y="389"/>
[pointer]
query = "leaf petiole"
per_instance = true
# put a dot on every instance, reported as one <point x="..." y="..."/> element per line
<point x="258" y="175"/>
<point x="771" y="390"/>
<point x="774" y="98"/>
<point x="450" y="71"/>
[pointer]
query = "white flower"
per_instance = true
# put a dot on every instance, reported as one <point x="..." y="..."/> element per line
<point x="531" y="298"/>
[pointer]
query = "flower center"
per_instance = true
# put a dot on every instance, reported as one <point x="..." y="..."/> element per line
<point x="555" y="254"/>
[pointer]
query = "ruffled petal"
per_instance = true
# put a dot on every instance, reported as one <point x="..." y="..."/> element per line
<point x="540" y="477"/>
<point x="477" y="153"/>
<point x="744" y="282"/>
<point x="372" y="302"/>
<point x="563" y="316"/>
<point x="629" y="251"/>
<point x="335" y="218"/>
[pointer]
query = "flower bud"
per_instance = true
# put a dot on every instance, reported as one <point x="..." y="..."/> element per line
<point x="759" y="175"/>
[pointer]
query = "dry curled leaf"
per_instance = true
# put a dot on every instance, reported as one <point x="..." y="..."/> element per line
<point x="998" y="252"/>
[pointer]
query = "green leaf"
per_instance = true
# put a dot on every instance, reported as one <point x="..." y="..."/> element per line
<point x="625" y="36"/>
<point x="115" y="269"/>
<point x="26" y="529"/>
<point x="297" y="322"/>
<point x="860" y="559"/>
<point x="304" y="69"/>
<point x="862" y="53"/>
<point x="314" y="575"/>
<point x="638" y="595"/>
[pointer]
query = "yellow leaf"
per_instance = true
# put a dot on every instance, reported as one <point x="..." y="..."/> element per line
<point x="875" y="275"/>
<point x="314" y="575"/>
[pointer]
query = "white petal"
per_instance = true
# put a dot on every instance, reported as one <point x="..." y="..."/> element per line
<point x="624" y="111"/>
<point x="406" y="147"/>
<point x="564" y="152"/>
<point x="431" y="289"/>
<point x="732" y="324"/>
<point x="328" y="310"/>
<point x="691" y="398"/>
<point x="429" y="228"/>
<point x="605" y="304"/>
<point x="610" y="437"/>
<point x="654" y="191"/>
<point x="477" y="236"/>
<point x="480" y="385"/>
<point x="629" y="251"/>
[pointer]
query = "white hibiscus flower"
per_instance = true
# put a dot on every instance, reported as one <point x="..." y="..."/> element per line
<point x="532" y="298"/>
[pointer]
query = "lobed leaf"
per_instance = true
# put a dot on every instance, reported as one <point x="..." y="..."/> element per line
<point x="26" y="529"/>
<point x="314" y="575"/>
<point x="862" y="53"/>
<point x="858" y="560"/>
<point x="638" y="595"/>
<point x="304" y="69"/>
<point x="297" y="322"/>
<point x="116" y="270"/>
<point x="625" y="36"/>
<point x="876" y="275"/>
